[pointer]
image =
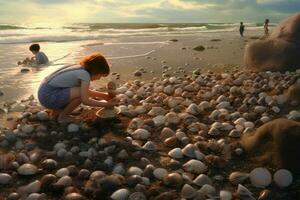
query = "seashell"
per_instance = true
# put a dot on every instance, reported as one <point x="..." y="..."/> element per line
<point x="204" y="105"/>
<point x="137" y="196"/>
<point x="134" y="171"/>
<point x="141" y="134"/>
<point x="240" y="121"/>
<point x="225" y="195"/>
<point x="62" y="172"/>
<point x="283" y="178"/>
<point x="260" y="109"/>
<point x="42" y="116"/>
<point x="107" y="113"/>
<point x="65" y="181"/>
<point x="188" y="191"/>
<point x="166" y="133"/>
<point x="275" y="109"/>
<point x="176" y="153"/>
<point x="189" y="150"/>
<point x="174" y="101"/>
<point x="36" y="196"/>
<point x="260" y="177"/>
<point x="159" y="120"/>
<point x="49" y="164"/>
<point x="208" y="190"/>
<point x="234" y="134"/>
<point x="195" y="166"/>
<point x="172" y="118"/>
<point x="159" y="173"/>
<point x="213" y="132"/>
<point x="5" y="178"/>
<point x="226" y="126"/>
<point x="155" y="111"/>
<point x="249" y="125"/>
<point x="236" y="178"/>
<point x="214" y="114"/>
<point x="27" y="169"/>
<point x="173" y="179"/>
<point x="150" y="146"/>
<point x="171" y="141"/>
<point x="72" y="128"/>
<point x="187" y="118"/>
<point x="202" y="179"/>
<point x="121" y="194"/>
<point x="74" y="196"/>
<point x="33" y="187"/>
<point x="168" y="90"/>
<point x="27" y="128"/>
<point x="242" y="191"/>
<point x="47" y="180"/>
<point x="193" y="109"/>
<point x="224" y="104"/>
<point x="265" y="119"/>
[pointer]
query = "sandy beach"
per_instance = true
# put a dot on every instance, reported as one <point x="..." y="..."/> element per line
<point x="223" y="51"/>
<point x="182" y="114"/>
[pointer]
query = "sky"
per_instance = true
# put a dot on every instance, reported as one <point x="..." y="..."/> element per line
<point x="144" y="11"/>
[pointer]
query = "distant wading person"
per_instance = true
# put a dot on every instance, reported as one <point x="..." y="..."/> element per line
<point x="242" y="29"/>
<point x="65" y="89"/>
<point x="266" y="27"/>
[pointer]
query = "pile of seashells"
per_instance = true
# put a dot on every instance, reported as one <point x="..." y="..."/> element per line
<point x="180" y="143"/>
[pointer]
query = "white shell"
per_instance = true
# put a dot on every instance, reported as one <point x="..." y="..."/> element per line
<point x="172" y="118"/>
<point x="121" y="194"/>
<point x="73" y="128"/>
<point x="189" y="150"/>
<point x="42" y="115"/>
<point x="150" y="146"/>
<point x="65" y="181"/>
<point x="155" y="111"/>
<point x="238" y="177"/>
<point x="33" y="187"/>
<point x="27" y="169"/>
<point x="260" y="177"/>
<point x="176" y="153"/>
<point x="5" y="178"/>
<point x="225" y="195"/>
<point x="62" y="172"/>
<point x="195" y="166"/>
<point x="188" y="191"/>
<point x="202" y="179"/>
<point x="134" y="171"/>
<point x="141" y="134"/>
<point x="283" y="178"/>
<point x="243" y="191"/>
<point x="159" y="173"/>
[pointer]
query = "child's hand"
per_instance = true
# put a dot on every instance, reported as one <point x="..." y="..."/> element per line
<point x="112" y="103"/>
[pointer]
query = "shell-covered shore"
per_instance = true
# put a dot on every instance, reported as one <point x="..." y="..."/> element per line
<point x="175" y="137"/>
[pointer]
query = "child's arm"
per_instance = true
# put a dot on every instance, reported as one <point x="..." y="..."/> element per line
<point x="91" y="102"/>
<point x="101" y="95"/>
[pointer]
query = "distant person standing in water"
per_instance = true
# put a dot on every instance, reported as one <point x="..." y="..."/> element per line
<point x="242" y="29"/>
<point x="266" y="27"/>
<point x="39" y="56"/>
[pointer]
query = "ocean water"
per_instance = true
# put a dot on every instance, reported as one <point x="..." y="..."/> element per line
<point x="69" y="43"/>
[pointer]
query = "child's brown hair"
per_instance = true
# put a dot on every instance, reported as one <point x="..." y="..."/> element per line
<point x="95" y="63"/>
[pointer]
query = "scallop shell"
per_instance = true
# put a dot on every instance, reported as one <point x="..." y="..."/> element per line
<point x="238" y="177"/>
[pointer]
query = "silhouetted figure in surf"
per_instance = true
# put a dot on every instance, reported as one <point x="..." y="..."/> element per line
<point x="242" y="29"/>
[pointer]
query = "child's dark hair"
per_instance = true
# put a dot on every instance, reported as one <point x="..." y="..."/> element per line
<point x="267" y="21"/>
<point x="34" y="47"/>
<point x="95" y="63"/>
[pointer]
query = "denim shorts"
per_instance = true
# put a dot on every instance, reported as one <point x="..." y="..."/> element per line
<point x="53" y="97"/>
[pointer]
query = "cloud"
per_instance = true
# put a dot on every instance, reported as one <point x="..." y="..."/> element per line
<point x="68" y="11"/>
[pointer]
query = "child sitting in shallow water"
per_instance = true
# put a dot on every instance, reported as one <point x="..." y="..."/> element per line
<point x="65" y="89"/>
<point x="39" y="57"/>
